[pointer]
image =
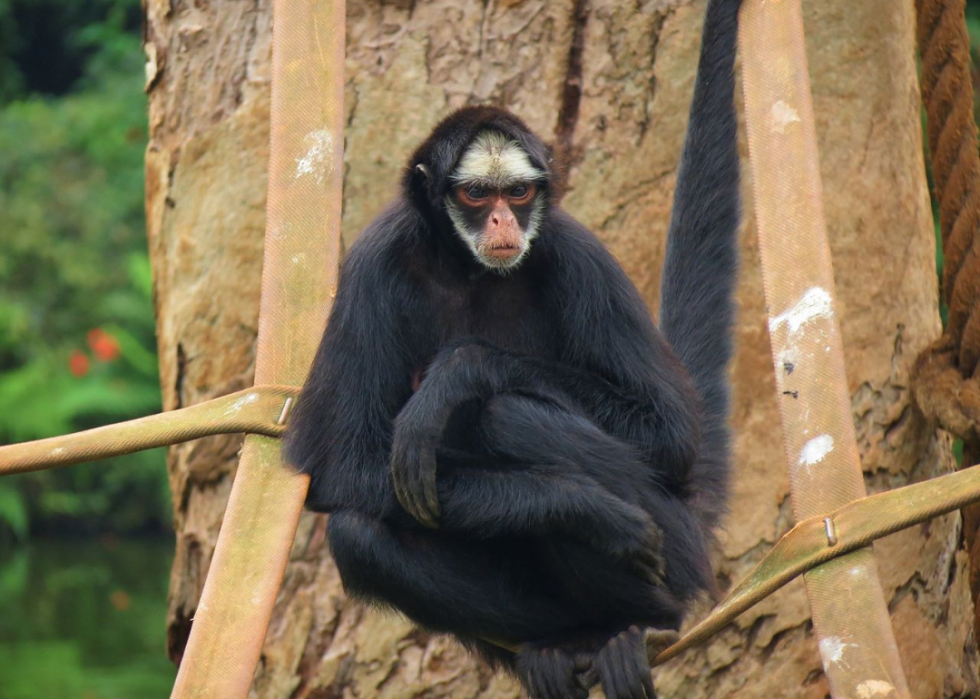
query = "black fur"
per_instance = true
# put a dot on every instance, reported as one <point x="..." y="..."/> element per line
<point x="580" y="467"/>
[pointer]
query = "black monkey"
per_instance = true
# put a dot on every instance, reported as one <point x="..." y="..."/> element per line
<point x="510" y="450"/>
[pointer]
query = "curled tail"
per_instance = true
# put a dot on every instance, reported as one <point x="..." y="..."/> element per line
<point x="697" y="304"/>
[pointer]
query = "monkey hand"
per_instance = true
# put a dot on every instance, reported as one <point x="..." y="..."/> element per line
<point x="413" y="469"/>
<point x="636" y="540"/>
<point x="646" y="560"/>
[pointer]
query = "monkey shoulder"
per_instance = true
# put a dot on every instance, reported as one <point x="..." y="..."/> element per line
<point x="384" y="243"/>
<point x="587" y="276"/>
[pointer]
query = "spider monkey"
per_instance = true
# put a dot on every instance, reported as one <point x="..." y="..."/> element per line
<point x="510" y="449"/>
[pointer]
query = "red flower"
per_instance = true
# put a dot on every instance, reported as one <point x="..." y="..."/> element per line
<point x="104" y="346"/>
<point x="78" y="363"/>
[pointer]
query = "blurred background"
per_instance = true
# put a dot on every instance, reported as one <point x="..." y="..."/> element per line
<point x="85" y="552"/>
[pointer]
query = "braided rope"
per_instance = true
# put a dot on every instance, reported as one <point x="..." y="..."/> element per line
<point x="946" y="376"/>
<point x="947" y="94"/>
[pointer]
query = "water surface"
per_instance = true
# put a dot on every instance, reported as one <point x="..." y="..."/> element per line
<point x="85" y="619"/>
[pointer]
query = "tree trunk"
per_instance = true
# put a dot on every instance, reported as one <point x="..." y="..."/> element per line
<point x="610" y="83"/>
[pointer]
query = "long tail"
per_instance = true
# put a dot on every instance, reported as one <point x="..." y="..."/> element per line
<point x="697" y="305"/>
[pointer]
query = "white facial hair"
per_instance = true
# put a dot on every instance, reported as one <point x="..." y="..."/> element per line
<point x="494" y="161"/>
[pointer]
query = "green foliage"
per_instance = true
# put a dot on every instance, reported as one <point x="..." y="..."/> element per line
<point x="77" y="344"/>
<point x="13" y="511"/>
<point x="46" y="46"/>
<point x="973" y="24"/>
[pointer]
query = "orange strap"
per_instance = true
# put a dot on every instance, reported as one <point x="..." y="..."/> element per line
<point x="258" y="410"/>
<point x="299" y="277"/>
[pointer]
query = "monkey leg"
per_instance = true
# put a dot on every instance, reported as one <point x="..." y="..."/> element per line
<point x="480" y="593"/>
<point x="484" y="590"/>
<point x="537" y="431"/>
<point x="543" y="500"/>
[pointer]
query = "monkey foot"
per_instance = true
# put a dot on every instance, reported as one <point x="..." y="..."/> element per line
<point x="658" y="640"/>
<point x="623" y="668"/>
<point x="552" y="673"/>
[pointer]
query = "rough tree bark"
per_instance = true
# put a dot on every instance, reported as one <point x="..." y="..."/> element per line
<point x="610" y="83"/>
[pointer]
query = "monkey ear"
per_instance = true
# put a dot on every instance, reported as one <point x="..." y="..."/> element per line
<point x="420" y="182"/>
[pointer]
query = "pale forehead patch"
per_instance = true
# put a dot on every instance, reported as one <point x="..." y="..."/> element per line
<point x="493" y="160"/>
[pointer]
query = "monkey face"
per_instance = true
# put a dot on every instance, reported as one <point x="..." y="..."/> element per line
<point x="496" y="224"/>
<point x="495" y="205"/>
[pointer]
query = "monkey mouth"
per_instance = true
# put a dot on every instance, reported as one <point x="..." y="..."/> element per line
<point x="504" y="252"/>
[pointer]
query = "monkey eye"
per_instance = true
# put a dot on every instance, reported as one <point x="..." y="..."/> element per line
<point x="521" y="192"/>
<point x="474" y="195"/>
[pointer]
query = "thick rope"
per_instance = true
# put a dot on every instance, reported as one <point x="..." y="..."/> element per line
<point x="946" y="376"/>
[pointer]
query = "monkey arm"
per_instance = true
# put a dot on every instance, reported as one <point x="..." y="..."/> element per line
<point x="474" y="370"/>
<point x="468" y="370"/>
<point x="540" y="500"/>
<point x="340" y="431"/>
<point x="550" y="471"/>
<point x="606" y="331"/>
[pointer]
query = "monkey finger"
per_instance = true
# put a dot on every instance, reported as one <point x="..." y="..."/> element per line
<point x="430" y="491"/>
<point x="657" y="640"/>
<point x="550" y="672"/>
<point x="534" y="686"/>
<point x="399" y="477"/>
<point x="632" y="677"/>
<point x="422" y="477"/>
<point x="420" y="511"/>
<point x="401" y="489"/>
<point x="405" y="493"/>
<point x="567" y="682"/>
<point x="404" y="496"/>
<point x="649" y="572"/>
<point x="647" y="676"/>
<point x="627" y="664"/>
<point x="405" y="469"/>
<point x="654" y="564"/>
<point x="641" y="665"/>
<point x="609" y="673"/>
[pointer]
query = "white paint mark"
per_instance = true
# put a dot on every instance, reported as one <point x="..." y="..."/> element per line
<point x="832" y="650"/>
<point x="57" y="452"/>
<point x="280" y="232"/>
<point x="316" y="162"/>
<point x="815" y="450"/>
<point x="782" y="115"/>
<point x="247" y="399"/>
<point x="869" y="689"/>
<point x="815" y="303"/>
